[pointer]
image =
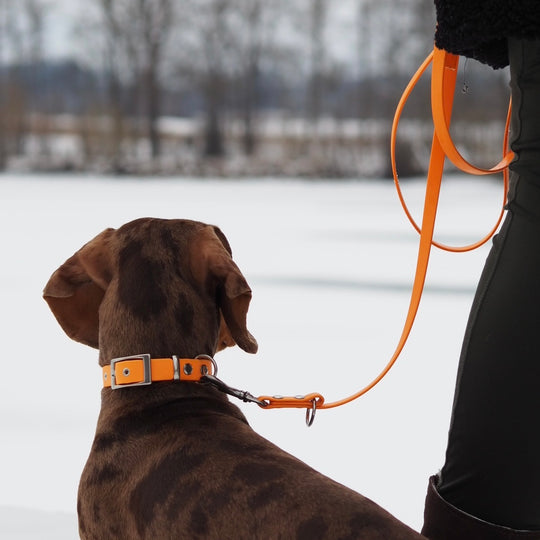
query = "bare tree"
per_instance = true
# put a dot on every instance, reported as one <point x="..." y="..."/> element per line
<point x="317" y="58"/>
<point x="35" y="13"/>
<point x="155" y="19"/>
<point x="3" y="86"/>
<point x="21" y="44"/>
<point x="252" y="15"/>
<point x="136" y="34"/>
<point x="119" y="76"/>
<point x="209" y="59"/>
<point x="14" y="98"/>
<point x="257" y="22"/>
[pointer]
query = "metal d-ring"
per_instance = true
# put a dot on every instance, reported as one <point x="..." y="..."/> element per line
<point x="310" y="413"/>
<point x="207" y="357"/>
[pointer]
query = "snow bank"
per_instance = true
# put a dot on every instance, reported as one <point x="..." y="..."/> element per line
<point x="330" y="265"/>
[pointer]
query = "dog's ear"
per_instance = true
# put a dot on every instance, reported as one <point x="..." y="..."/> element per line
<point x="74" y="291"/>
<point x="212" y="260"/>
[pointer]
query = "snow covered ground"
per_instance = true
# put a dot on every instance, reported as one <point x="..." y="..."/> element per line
<point x="330" y="264"/>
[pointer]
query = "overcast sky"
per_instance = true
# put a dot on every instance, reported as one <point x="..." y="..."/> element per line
<point x="63" y="15"/>
<point x="61" y="19"/>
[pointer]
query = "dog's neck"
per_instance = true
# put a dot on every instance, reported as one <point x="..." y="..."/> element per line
<point x="184" y="397"/>
<point x="159" y="392"/>
<point x="124" y="331"/>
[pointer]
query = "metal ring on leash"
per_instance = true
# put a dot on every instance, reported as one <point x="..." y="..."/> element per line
<point x="310" y="413"/>
<point x="207" y="357"/>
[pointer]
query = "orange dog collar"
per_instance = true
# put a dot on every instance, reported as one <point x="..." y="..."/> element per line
<point x="141" y="369"/>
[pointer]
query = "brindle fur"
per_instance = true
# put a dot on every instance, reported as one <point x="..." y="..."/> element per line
<point x="178" y="460"/>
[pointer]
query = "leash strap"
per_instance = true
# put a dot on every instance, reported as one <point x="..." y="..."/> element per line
<point x="443" y="81"/>
<point x="143" y="370"/>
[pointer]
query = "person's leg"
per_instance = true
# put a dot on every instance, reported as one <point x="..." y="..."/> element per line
<point x="492" y="468"/>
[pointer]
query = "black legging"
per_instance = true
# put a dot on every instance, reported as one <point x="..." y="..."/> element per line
<point x="492" y="467"/>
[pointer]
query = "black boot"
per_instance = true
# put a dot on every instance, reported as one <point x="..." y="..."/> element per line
<point x="442" y="521"/>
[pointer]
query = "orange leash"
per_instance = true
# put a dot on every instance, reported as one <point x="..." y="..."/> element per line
<point x="441" y="90"/>
<point x="443" y="80"/>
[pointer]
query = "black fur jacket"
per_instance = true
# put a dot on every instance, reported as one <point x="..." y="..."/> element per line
<point x="479" y="28"/>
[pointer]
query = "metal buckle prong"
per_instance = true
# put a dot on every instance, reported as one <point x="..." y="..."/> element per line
<point x="147" y="366"/>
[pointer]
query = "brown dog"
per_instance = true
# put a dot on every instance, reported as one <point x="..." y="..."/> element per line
<point x="175" y="459"/>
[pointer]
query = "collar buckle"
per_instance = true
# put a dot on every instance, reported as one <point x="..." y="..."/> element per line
<point x="147" y="371"/>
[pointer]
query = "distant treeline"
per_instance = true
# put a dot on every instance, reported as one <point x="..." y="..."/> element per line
<point x="224" y="87"/>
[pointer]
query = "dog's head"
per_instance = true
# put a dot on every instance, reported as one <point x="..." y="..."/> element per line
<point x="159" y="286"/>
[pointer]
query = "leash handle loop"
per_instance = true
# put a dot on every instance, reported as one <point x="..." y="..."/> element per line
<point x="442" y="89"/>
<point x="442" y="62"/>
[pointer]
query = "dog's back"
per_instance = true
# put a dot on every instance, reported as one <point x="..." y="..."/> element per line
<point x="191" y="468"/>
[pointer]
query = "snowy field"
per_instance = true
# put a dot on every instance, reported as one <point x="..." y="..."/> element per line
<point x="330" y="265"/>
